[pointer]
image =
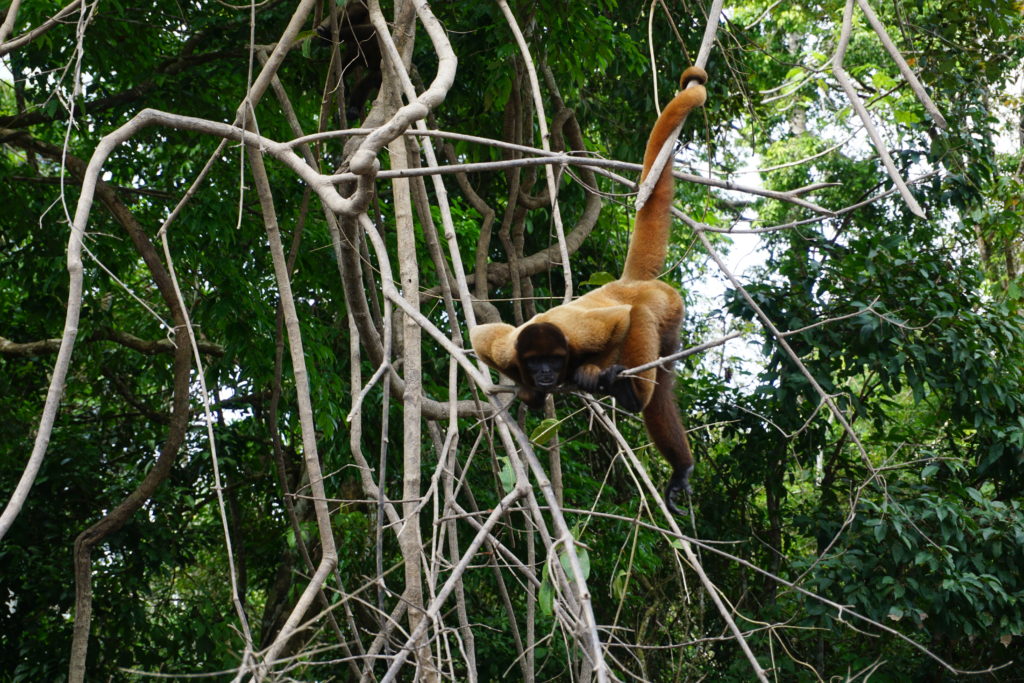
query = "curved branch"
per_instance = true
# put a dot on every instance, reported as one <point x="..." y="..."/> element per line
<point x="91" y="187"/>
<point x="538" y="105"/>
<point x="177" y="424"/>
<point x="364" y="160"/>
<point x="29" y="36"/>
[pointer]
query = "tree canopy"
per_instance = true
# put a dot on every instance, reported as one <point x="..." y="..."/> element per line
<point x="242" y="431"/>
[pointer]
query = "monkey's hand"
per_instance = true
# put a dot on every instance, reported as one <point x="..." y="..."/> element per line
<point x="621" y="388"/>
<point x="588" y="378"/>
<point x="607" y="383"/>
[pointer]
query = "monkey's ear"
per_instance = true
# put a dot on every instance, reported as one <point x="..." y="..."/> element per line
<point x="495" y="343"/>
<point x="591" y="330"/>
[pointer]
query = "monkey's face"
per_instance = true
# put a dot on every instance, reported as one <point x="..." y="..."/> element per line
<point x="545" y="372"/>
<point x="542" y="353"/>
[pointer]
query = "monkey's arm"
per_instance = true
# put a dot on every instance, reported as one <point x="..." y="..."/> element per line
<point x="495" y="344"/>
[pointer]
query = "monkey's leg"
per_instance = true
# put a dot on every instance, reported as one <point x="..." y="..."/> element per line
<point x="661" y="413"/>
<point x="661" y="417"/>
<point x="641" y="346"/>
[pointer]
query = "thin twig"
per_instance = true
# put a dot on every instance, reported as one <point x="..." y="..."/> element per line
<point x="29" y="36"/>
<point x="629" y="372"/>
<point x="858" y="105"/>
<point x="545" y="141"/>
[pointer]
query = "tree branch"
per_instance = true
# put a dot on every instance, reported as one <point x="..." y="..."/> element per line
<point x="45" y="347"/>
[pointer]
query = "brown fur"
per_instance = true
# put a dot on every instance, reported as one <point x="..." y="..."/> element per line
<point x="625" y="323"/>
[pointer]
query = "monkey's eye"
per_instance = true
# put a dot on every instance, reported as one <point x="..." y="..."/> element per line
<point x="539" y="363"/>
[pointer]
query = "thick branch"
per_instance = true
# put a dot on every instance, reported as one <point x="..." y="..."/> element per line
<point x="45" y="347"/>
<point x="29" y="36"/>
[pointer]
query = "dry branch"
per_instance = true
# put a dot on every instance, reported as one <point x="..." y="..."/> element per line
<point x="149" y="347"/>
<point x="858" y="105"/>
<point x="573" y="609"/>
<point x="11" y="16"/>
<point x="542" y="124"/>
<point x="691" y="557"/>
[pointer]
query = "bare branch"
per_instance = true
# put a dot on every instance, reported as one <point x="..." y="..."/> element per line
<point x="11" y="16"/>
<point x="691" y="558"/>
<point x="858" y="105"/>
<point x="146" y="346"/>
<point x="630" y="372"/>
<point x="901" y="63"/>
<point x="538" y="103"/>
<point x="311" y="458"/>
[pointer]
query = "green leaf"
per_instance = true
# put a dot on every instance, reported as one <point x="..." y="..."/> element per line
<point x="546" y="597"/>
<point x="619" y="583"/>
<point x="882" y="80"/>
<point x="599" y="278"/>
<point x="905" y="116"/>
<point x="582" y="556"/>
<point x="507" y="475"/>
<point x="545" y="431"/>
<point x="794" y="73"/>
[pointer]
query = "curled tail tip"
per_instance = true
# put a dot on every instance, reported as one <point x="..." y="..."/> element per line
<point x="693" y="73"/>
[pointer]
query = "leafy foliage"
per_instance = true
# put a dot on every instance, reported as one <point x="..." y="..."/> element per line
<point x="914" y="328"/>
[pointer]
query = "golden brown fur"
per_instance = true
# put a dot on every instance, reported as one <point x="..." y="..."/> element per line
<point x="623" y="324"/>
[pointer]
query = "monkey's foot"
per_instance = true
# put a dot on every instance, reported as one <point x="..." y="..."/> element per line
<point x="680" y="481"/>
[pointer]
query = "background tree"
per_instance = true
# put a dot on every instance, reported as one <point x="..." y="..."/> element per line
<point x="272" y="457"/>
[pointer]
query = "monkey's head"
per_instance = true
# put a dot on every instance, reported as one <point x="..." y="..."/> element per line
<point x="543" y="354"/>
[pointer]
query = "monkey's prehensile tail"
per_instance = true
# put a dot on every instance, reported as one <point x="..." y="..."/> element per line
<point x="649" y="243"/>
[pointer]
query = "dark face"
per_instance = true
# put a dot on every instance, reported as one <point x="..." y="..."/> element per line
<point x="545" y="372"/>
<point x="543" y="355"/>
